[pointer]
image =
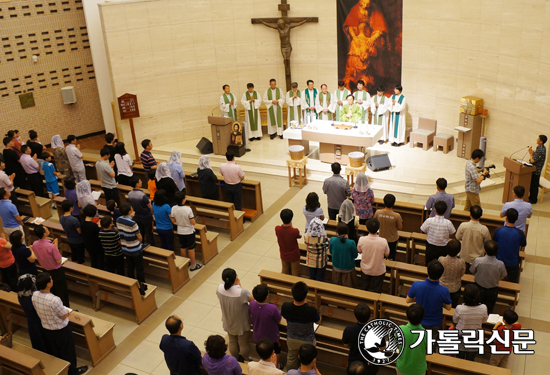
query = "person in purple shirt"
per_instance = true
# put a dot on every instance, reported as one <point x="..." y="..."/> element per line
<point x="265" y="317"/>
<point x="32" y="169"/>
<point x="524" y="209"/>
<point x="441" y="195"/>
<point x="510" y="240"/>
<point x="216" y="362"/>
<point x="70" y="193"/>
<point x="181" y="355"/>
<point x="308" y="359"/>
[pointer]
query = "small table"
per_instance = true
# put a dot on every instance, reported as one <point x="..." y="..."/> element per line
<point x="299" y="177"/>
<point x="354" y="171"/>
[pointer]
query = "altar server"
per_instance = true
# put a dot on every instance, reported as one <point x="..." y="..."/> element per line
<point x="251" y="102"/>
<point x="397" y="121"/>
<point x="294" y="102"/>
<point x="340" y="96"/>
<point x="228" y="104"/>
<point x="324" y="104"/>
<point x="274" y="100"/>
<point x="379" y="108"/>
<point x="362" y="98"/>
<point x="308" y="101"/>
<point x="350" y="112"/>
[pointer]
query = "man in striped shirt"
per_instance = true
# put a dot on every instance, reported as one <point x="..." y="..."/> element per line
<point x="147" y="159"/>
<point x="130" y="239"/>
<point x="438" y="230"/>
<point x="110" y="241"/>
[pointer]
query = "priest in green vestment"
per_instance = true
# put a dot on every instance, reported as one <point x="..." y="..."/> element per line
<point x="350" y="112"/>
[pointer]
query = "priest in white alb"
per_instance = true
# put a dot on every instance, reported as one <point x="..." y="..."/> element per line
<point x="362" y="98"/>
<point x="274" y="99"/>
<point x="294" y="103"/>
<point x="397" y="120"/>
<point x="379" y="108"/>
<point x="308" y="102"/>
<point x="324" y="104"/>
<point x="228" y="104"/>
<point x="339" y="99"/>
<point x="251" y="102"/>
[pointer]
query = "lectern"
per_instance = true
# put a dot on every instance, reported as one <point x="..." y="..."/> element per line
<point x="221" y="133"/>
<point x="517" y="174"/>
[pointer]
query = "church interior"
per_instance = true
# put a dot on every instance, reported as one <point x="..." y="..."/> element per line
<point x="176" y="56"/>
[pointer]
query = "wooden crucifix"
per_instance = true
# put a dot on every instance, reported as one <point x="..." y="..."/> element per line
<point x="283" y="25"/>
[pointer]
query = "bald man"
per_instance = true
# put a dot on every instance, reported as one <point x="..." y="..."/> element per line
<point x="181" y="355"/>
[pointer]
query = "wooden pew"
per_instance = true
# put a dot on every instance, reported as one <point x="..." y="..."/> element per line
<point x="91" y="333"/>
<point x="331" y="300"/>
<point x="30" y="204"/>
<point x="252" y="194"/>
<point x="103" y="286"/>
<point x="217" y="214"/>
<point x="23" y="360"/>
<point x="442" y="364"/>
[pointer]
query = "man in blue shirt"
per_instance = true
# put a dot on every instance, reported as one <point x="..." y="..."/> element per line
<point x="11" y="220"/>
<point x="431" y="296"/>
<point x="524" y="209"/>
<point x="441" y="195"/>
<point x="181" y="355"/>
<point x="510" y="239"/>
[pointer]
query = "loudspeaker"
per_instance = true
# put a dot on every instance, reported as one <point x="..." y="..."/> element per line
<point x="205" y="146"/>
<point x="69" y="96"/>
<point x="378" y="162"/>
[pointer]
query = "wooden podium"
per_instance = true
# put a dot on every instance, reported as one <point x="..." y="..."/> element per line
<point x="221" y="133"/>
<point x="517" y="174"/>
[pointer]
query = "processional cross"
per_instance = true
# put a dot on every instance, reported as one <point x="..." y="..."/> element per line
<point x="283" y="25"/>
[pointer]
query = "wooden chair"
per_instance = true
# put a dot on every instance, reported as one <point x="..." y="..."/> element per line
<point x="425" y="133"/>
<point x="544" y="181"/>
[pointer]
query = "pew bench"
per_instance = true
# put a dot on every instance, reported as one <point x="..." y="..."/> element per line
<point x="30" y="204"/>
<point x="91" y="333"/>
<point x="217" y="214"/>
<point x="24" y="360"/>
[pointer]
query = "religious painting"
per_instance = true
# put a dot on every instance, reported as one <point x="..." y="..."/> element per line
<point x="236" y="134"/>
<point x="369" y="43"/>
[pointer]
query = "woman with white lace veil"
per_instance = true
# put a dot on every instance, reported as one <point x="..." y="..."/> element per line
<point x="207" y="179"/>
<point x="176" y="170"/>
<point x="61" y="162"/>
<point x="84" y="194"/>
<point x="346" y="215"/>
<point x="166" y="182"/>
<point x="363" y="198"/>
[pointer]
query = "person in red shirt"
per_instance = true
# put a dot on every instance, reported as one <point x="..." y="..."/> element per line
<point x="8" y="268"/>
<point x="510" y="319"/>
<point x="287" y="237"/>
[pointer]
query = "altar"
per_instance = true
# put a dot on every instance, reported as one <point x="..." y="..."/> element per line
<point x="334" y="144"/>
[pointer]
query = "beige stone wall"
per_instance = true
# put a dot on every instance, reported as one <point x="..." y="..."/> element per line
<point x="55" y="31"/>
<point x="175" y="55"/>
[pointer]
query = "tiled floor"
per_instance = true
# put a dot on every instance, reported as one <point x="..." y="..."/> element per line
<point x="256" y="249"/>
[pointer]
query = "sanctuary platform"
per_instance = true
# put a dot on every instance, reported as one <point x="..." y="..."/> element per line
<point x="413" y="171"/>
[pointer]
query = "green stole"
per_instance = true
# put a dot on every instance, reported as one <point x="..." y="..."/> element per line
<point x="232" y="113"/>
<point x="396" y="116"/>
<point x="363" y="99"/>
<point x="291" y="108"/>
<point x="252" y="111"/>
<point x="279" y="109"/>
<point x="329" y="114"/>
<point x="340" y="95"/>
<point x="376" y="119"/>
<point x="308" y="99"/>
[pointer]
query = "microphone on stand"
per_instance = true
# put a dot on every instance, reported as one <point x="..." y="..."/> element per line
<point x="213" y="109"/>
<point x="519" y="151"/>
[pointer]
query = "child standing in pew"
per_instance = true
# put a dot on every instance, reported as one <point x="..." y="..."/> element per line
<point x="412" y="361"/>
<point x="183" y="217"/>
<point x="265" y="318"/>
<point x="510" y="318"/>
<point x="152" y="183"/>
<point x="70" y="193"/>
<point x="287" y="237"/>
<point x="90" y="233"/>
<point x="71" y="226"/>
<point x="110" y="241"/>
<point x="112" y="206"/>
<point x="50" y="175"/>
<point x="390" y="223"/>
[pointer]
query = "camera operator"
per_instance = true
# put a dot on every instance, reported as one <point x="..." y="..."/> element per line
<point x="473" y="179"/>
